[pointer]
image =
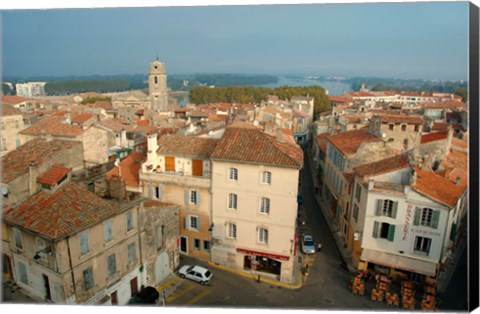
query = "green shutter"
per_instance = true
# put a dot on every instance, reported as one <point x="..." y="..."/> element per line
<point x="416" y="219"/>
<point x="394" y="210"/>
<point x="379" y="208"/>
<point x="187" y="197"/>
<point x="453" y="232"/>
<point x="375" y="229"/>
<point x="435" y="218"/>
<point x="198" y="223"/>
<point x="391" y="233"/>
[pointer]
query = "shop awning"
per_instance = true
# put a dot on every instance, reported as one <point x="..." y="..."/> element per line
<point x="400" y="262"/>
<point x="263" y="254"/>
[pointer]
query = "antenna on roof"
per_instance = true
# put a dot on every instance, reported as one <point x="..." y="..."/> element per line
<point x="157" y="55"/>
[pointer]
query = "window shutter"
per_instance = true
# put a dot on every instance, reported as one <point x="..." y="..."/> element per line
<point x="379" y="208"/>
<point x="394" y="210"/>
<point x="375" y="229"/>
<point x="416" y="219"/>
<point x="185" y="222"/>
<point x="187" y="197"/>
<point x="435" y="218"/>
<point x="198" y="223"/>
<point x="160" y="193"/>
<point x="453" y="232"/>
<point x="150" y="191"/>
<point x="198" y="197"/>
<point x="391" y="233"/>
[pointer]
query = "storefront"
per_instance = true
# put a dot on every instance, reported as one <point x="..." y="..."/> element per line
<point x="262" y="262"/>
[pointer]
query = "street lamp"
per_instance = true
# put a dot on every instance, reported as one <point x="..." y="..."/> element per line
<point x="37" y="257"/>
<point x="210" y="232"/>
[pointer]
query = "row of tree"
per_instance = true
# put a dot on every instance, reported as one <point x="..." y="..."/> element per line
<point x="235" y="94"/>
<point x="97" y="86"/>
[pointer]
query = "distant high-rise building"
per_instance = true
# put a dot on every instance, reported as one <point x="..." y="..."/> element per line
<point x="30" y="89"/>
<point x="157" y="86"/>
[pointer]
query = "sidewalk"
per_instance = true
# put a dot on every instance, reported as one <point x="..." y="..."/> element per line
<point x="332" y="225"/>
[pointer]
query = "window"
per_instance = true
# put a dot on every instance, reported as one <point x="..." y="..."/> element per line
<point x="404" y="127"/>
<point x="88" y="278"/>
<point x="358" y="192"/>
<point x="107" y="230"/>
<point x="84" y="242"/>
<point x="17" y="236"/>
<point x="422" y="245"/>
<point x="383" y="230"/>
<point x="196" y="244"/>
<point x="233" y="175"/>
<point x="355" y="212"/>
<point x="417" y="128"/>
<point x="263" y="235"/>
<point x="192" y="197"/>
<point x="22" y="272"/>
<point x="232" y="230"/>
<point x="111" y="265"/>
<point x="390" y="127"/>
<point x="157" y="192"/>
<point x="155" y="79"/>
<point x="232" y="201"/>
<point x="206" y="246"/>
<point x="192" y="223"/>
<point x="265" y="205"/>
<point x="266" y="177"/>
<point x="129" y="220"/>
<point x="387" y="208"/>
<point x="426" y="217"/>
<point x="132" y="253"/>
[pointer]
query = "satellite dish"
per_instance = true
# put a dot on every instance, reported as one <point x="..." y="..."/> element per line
<point x="5" y="191"/>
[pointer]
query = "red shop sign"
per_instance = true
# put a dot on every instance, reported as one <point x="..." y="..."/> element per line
<point x="262" y="254"/>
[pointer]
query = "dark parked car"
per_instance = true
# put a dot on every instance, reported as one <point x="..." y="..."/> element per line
<point x="148" y="295"/>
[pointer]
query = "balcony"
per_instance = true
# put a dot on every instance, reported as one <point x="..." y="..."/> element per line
<point x="395" y="187"/>
<point x="177" y="178"/>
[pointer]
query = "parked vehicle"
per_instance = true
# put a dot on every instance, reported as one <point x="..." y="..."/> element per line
<point x="308" y="246"/>
<point x="148" y="295"/>
<point x="196" y="273"/>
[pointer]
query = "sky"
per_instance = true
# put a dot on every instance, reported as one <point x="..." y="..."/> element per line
<point x="410" y="40"/>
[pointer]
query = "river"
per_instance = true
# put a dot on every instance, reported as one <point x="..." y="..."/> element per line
<point x="335" y="88"/>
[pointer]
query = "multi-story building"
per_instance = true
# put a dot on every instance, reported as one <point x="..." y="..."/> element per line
<point x="22" y="167"/>
<point x="11" y="123"/>
<point x="30" y="89"/>
<point x="254" y="201"/>
<point x="178" y="170"/>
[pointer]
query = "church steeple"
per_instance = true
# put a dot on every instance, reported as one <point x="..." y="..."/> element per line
<point x="157" y="86"/>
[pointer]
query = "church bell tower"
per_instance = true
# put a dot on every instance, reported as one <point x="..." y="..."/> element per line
<point x="157" y="86"/>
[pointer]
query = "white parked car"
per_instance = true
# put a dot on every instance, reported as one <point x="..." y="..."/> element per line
<point x="308" y="246"/>
<point x="196" y="273"/>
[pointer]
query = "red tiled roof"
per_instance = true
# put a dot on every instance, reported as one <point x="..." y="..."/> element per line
<point x="54" y="125"/>
<point x="82" y="118"/>
<point x="440" y="126"/>
<point x="140" y="122"/>
<point x="246" y="143"/>
<point x="444" y="191"/>
<point x="431" y="137"/>
<point x="8" y="110"/>
<point x="116" y="125"/>
<point x="55" y="215"/>
<point x="349" y="142"/>
<point x="17" y="162"/>
<point x="445" y="105"/>
<point x="53" y="175"/>
<point x="14" y="99"/>
<point x="388" y="118"/>
<point x="186" y="145"/>
<point x="154" y="203"/>
<point x="459" y="143"/>
<point x="129" y="169"/>
<point x="337" y="99"/>
<point x="382" y="166"/>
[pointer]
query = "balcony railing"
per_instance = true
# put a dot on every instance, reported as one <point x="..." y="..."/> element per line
<point x="180" y="178"/>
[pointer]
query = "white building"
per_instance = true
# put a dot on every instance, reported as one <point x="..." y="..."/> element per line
<point x="254" y="201"/>
<point x="30" y="89"/>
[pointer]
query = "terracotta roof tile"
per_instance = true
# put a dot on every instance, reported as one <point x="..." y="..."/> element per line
<point x="349" y="142"/>
<point x="338" y="99"/>
<point x="444" y="190"/>
<point x="115" y="125"/>
<point x="246" y="143"/>
<point x="54" y="175"/>
<point x="129" y="169"/>
<point x="8" y="110"/>
<point x="388" y="118"/>
<point x="14" y="99"/>
<point x="140" y="122"/>
<point x="321" y="140"/>
<point x="383" y="166"/>
<point x="445" y="105"/>
<point x="54" y="125"/>
<point x="186" y="145"/>
<point x="431" y="137"/>
<point x="17" y="162"/>
<point x="82" y="118"/>
<point x="66" y="211"/>
<point x="154" y="203"/>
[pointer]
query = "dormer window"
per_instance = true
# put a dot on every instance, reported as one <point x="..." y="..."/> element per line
<point x="53" y="178"/>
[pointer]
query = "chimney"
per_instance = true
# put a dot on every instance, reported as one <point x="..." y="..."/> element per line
<point x="413" y="178"/>
<point x="32" y="176"/>
<point x="458" y="181"/>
